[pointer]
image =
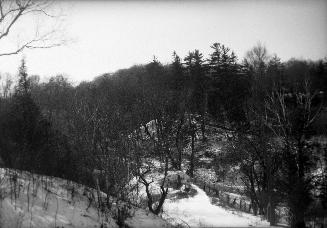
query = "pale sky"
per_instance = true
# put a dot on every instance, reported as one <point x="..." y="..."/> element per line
<point x="110" y="35"/>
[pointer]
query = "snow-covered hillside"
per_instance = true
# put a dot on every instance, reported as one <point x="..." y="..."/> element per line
<point x="29" y="200"/>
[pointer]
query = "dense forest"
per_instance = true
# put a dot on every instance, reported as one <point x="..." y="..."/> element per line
<point x="272" y="116"/>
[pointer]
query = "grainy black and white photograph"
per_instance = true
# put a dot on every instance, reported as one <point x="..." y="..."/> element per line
<point x="163" y="114"/>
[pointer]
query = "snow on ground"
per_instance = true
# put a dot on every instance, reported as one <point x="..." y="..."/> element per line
<point x="30" y="200"/>
<point x="197" y="211"/>
<point x="145" y="219"/>
<point x="209" y="175"/>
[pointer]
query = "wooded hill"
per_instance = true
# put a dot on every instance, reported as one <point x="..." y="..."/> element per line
<point x="270" y="109"/>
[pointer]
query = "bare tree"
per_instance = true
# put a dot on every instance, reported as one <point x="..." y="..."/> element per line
<point x="153" y="206"/>
<point x="6" y="86"/>
<point x="290" y="117"/>
<point x="12" y="13"/>
<point x="257" y="58"/>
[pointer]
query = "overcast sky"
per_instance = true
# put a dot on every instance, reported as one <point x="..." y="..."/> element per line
<point x="109" y="35"/>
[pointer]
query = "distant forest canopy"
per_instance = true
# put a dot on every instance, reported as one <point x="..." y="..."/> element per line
<point x="271" y="110"/>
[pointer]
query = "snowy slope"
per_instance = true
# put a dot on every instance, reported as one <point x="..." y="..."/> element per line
<point x="197" y="211"/>
<point x="29" y="200"/>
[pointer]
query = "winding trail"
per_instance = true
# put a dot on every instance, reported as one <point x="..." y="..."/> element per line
<point x="197" y="211"/>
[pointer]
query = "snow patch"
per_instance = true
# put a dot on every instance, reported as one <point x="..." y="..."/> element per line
<point x="198" y="211"/>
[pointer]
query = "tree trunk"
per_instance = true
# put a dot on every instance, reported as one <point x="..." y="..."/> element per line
<point x="203" y="125"/>
<point x="177" y="142"/>
<point x="271" y="215"/>
<point x="191" y="170"/>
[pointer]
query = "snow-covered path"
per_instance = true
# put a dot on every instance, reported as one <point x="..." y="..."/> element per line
<point x="198" y="211"/>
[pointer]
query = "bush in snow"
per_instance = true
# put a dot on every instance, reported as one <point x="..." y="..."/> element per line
<point x="176" y="179"/>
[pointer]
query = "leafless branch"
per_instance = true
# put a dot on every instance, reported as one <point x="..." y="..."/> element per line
<point x="13" y="12"/>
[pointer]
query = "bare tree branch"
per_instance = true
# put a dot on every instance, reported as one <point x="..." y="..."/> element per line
<point x="13" y="12"/>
